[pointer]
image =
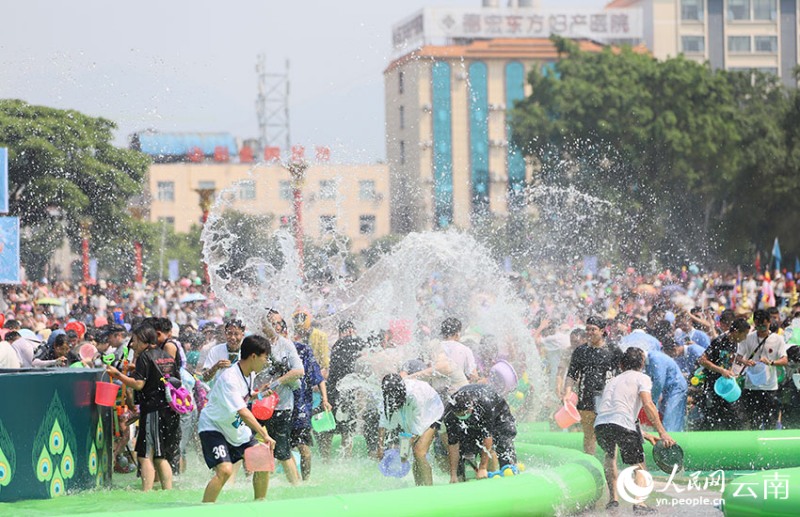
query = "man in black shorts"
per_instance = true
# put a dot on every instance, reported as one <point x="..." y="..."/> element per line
<point x="616" y="424"/>
<point x="226" y="424"/>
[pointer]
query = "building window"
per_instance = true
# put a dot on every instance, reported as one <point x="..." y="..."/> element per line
<point x="768" y="70"/>
<point x="402" y="152"/>
<point x="366" y="190"/>
<point x="400" y="83"/>
<point x="693" y="44"/>
<point x="766" y="44"/>
<point x="765" y="9"/>
<point x="738" y="9"/>
<point x="692" y="10"/>
<point x="327" y="224"/>
<point x="366" y="224"/>
<point x="247" y="190"/>
<point x="206" y="185"/>
<point x="166" y="191"/>
<point x="402" y="117"/>
<point x="738" y="43"/>
<point x="285" y="188"/>
<point x="327" y="189"/>
<point x="169" y="221"/>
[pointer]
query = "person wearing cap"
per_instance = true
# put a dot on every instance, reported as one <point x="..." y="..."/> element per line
<point x="591" y="365"/>
<point x="617" y="426"/>
<point x="759" y="401"/>
<point x="479" y="423"/>
<point x="416" y="408"/>
<point x="223" y="355"/>
<point x="26" y="346"/>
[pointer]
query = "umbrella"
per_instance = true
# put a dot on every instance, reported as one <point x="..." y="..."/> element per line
<point x="673" y="288"/>
<point x="49" y="301"/>
<point x="192" y="297"/>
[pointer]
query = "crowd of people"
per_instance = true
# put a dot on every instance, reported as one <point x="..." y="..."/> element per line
<point x="630" y="350"/>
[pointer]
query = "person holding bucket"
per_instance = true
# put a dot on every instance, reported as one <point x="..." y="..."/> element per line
<point x="717" y="360"/>
<point x="416" y="408"/>
<point x="159" y="427"/>
<point x="758" y="355"/>
<point x="227" y="425"/>
<point x="590" y="366"/>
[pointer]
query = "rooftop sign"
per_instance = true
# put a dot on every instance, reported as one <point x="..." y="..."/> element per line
<point x="443" y="25"/>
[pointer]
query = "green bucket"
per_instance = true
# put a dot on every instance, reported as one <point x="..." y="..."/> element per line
<point x="323" y="422"/>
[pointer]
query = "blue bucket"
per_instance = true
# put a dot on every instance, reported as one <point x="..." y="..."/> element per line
<point x="757" y="375"/>
<point x="728" y="389"/>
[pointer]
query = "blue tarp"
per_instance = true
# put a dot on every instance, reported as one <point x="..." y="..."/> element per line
<point x="179" y="144"/>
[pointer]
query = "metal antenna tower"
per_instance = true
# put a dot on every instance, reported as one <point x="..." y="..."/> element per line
<point x="272" y="107"/>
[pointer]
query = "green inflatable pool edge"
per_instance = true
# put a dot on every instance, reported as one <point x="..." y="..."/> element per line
<point x="574" y="481"/>
<point x="704" y="450"/>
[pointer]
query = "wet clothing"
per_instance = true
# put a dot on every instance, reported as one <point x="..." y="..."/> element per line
<point x="721" y="352"/>
<point x="621" y="403"/>
<point x="304" y="396"/>
<point x="669" y="390"/>
<point x="216" y="448"/>
<point x="231" y="393"/>
<point x="344" y="353"/>
<point x="590" y="368"/>
<point x="490" y="416"/>
<point x="283" y="358"/>
<point x="422" y="409"/>
<point x="611" y="436"/>
<point x="151" y="366"/>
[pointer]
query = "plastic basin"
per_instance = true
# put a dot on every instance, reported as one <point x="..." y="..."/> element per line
<point x="259" y="458"/>
<point x="392" y="466"/>
<point x="323" y="422"/>
<point x="503" y="377"/>
<point x="757" y="375"/>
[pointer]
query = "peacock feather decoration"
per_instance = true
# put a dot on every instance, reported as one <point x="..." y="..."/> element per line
<point x="8" y="457"/>
<point x="53" y="446"/>
<point x="96" y="452"/>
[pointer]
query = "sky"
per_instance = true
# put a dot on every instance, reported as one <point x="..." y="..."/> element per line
<point x="181" y="66"/>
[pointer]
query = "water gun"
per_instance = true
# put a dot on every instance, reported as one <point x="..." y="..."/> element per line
<point x="699" y="377"/>
<point x="178" y="398"/>
<point x="507" y="471"/>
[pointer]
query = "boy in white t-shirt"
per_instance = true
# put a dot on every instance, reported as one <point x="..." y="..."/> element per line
<point x="226" y="424"/>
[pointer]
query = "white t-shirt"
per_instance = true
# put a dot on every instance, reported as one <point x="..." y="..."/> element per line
<point x="8" y="356"/>
<point x="423" y="407"/>
<point x="227" y="397"/>
<point x="773" y="349"/>
<point x="461" y="355"/>
<point x="620" y="403"/>
<point x="284" y="357"/>
<point x="215" y="354"/>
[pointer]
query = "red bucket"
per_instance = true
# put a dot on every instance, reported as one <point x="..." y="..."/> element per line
<point x="263" y="408"/>
<point x="105" y="393"/>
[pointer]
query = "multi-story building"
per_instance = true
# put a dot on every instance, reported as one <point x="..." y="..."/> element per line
<point x="350" y="200"/>
<point x="728" y="34"/>
<point x="448" y="102"/>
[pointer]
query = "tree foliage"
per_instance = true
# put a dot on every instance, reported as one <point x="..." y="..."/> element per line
<point x="63" y="169"/>
<point x="701" y="163"/>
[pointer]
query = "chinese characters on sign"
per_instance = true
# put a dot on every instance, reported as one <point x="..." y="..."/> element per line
<point x="443" y="25"/>
<point x="774" y="486"/>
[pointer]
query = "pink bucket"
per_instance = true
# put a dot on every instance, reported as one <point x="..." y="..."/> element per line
<point x="567" y="415"/>
<point x="259" y="458"/>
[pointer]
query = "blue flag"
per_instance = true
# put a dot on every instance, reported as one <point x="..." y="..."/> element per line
<point x="776" y="254"/>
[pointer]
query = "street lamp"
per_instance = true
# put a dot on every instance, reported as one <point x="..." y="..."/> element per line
<point x="206" y="199"/>
<point x="297" y="170"/>
<point x="85" y="224"/>
<point x="138" y="208"/>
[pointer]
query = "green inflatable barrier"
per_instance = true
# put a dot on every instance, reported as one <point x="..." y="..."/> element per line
<point x="574" y="482"/>
<point x="771" y="492"/>
<point x="705" y="451"/>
